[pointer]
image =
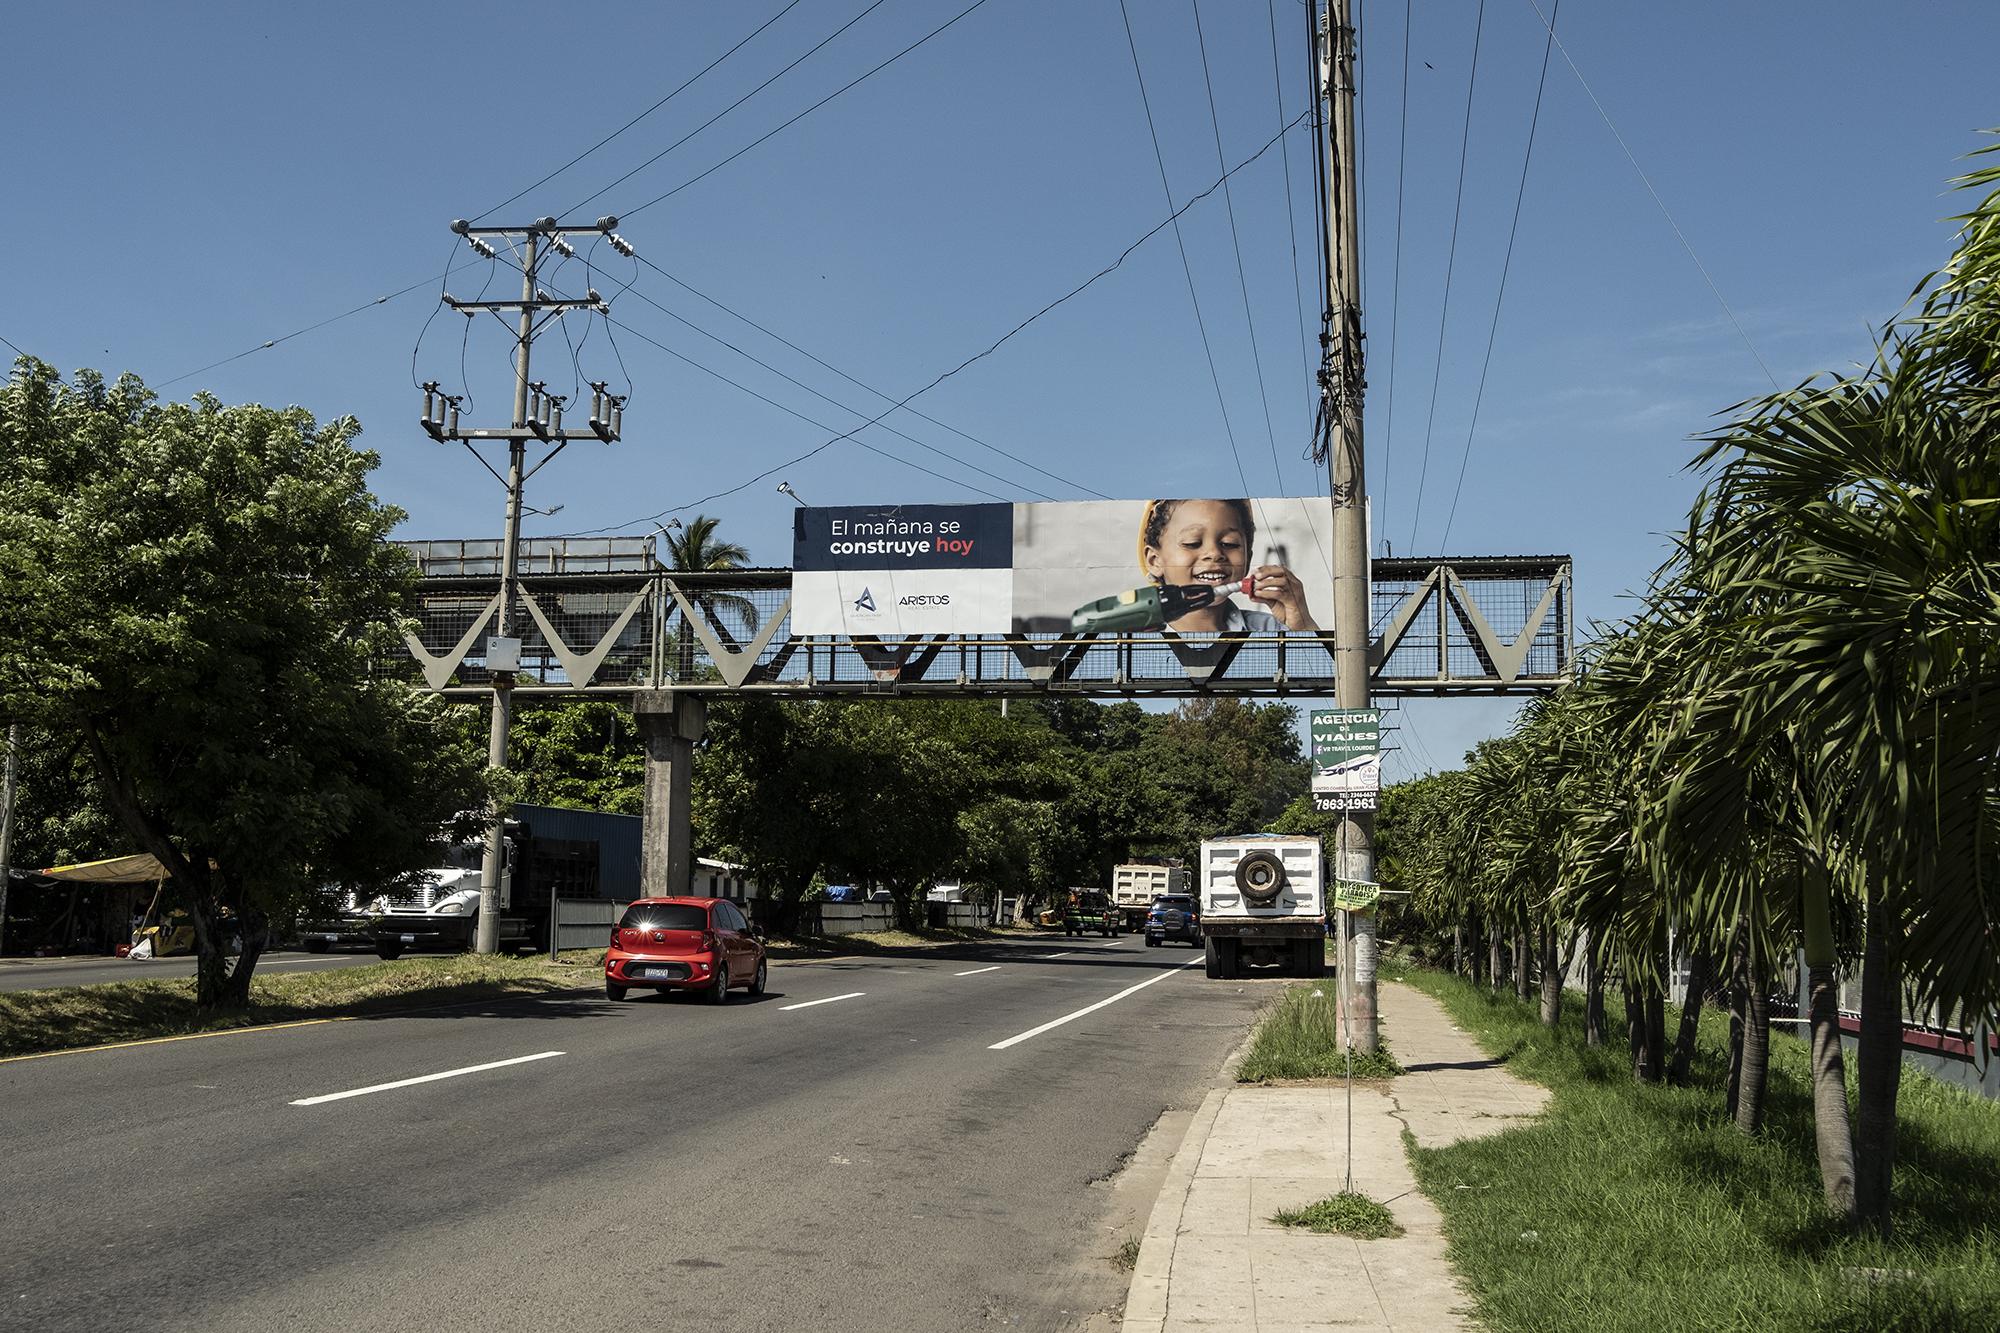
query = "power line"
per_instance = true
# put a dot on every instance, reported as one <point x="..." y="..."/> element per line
<point x="1648" y="183"/>
<point x="1186" y="268"/>
<point x="1492" y="331"/>
<point x="798" y="383"/>
<point x="331" y="319"/>
<point x="863" y="385"/>
<point x="726" y="110"/>
<point x="1236" y="244"/>
<point x="9" y="342"/>
<point x="643" y="114"/>
<point x="1451" y="259"/>
<point x="807" y="112"/>
<point x="1291" y="212"/>
<point x="790" y="411"/>
<point x="992" y="347"/>
<point x="1396" y="283"/>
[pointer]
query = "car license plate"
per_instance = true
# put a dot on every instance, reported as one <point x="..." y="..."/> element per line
<point x="409" y="939"/>
<point x="663" y="973"/>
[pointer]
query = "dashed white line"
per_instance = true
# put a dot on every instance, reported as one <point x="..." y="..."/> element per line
<point x="807" y="1004"/>
<point x="977" y="970"/>
<point x="1020" y="1037"/>
<point x="427" y="1078"/>
<point x="1067" y="953"/>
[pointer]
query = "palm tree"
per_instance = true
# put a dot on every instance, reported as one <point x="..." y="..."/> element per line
<point x="1850" y="541"/>
<point x="694" y="550"/>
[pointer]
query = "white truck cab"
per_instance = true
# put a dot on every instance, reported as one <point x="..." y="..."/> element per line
<point x="1263" y="900"/>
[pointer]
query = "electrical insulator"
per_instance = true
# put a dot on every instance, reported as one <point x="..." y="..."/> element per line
<point x="451" y="429"/>
<point x="619" y="243"/>
<point x="617" y="417"/>
<point x="555" y="416"/>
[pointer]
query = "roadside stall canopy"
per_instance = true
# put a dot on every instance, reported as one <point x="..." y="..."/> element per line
<point x="139" y="868"/>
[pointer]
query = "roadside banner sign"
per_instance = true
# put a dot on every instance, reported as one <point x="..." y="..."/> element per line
<point x="1355" y="895"/>
<point x="1346" y="758"/>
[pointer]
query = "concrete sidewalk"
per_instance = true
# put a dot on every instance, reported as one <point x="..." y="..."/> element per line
<point x="1212" y="1259"/>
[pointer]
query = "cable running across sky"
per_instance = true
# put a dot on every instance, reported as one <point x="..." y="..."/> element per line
<point x="990" y="348"/>
<point x="1507" y="263"/>
<point x="1201" y="325"/>
<point x="1450" y="262"/>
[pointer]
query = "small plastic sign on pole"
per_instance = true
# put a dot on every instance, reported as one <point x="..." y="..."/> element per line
<point x="1355" y="895"/>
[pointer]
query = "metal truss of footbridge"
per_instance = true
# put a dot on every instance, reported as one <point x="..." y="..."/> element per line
<point x="602" y="617"/>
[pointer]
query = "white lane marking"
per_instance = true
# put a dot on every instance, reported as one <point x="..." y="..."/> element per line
<point x="1018" y="1038"/>
<point x="807" y="1004"/>
<point x="977" y="970"/>
<point x="1066" y="953"/>
<point x="427" y="1078"/>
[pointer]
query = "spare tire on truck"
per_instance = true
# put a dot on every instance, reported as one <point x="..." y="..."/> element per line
<point x="1260" y="876"/>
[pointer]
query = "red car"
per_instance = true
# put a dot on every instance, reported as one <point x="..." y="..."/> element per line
<point x="697" y="944"/>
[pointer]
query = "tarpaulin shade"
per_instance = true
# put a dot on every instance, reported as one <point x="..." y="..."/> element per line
<point x="140" y="868"/>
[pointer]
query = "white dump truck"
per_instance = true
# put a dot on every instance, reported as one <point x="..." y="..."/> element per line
<point x="1133" y="888"/>
<point x="1263" y="900"/>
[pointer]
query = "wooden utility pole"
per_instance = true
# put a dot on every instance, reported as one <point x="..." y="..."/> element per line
<point x="1341" y="385"/>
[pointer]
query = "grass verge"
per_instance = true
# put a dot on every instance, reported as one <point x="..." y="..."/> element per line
<point x="64" y="1018"/>
<point x="1343" y="1214"/>
<point x="1635" y="1207"/>
<point x="1300" y="1038"/>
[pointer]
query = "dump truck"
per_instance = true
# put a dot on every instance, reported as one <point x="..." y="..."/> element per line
<point x="1263" y="900"/>
<point x="1134" y="886"/>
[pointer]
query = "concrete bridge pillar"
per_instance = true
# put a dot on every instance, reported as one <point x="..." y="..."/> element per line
<point x="669" y="725"/>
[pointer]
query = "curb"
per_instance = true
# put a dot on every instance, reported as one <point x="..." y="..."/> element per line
<point x="1146" y="1297"/>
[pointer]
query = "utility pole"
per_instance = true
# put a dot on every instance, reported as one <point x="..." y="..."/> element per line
<point x="7" y="825"/>
<point x="538" y="414"/>
<point x="1341" y="385"/>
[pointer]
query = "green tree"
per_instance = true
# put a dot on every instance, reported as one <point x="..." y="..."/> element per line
<point x="584" y="754"/>
<point x="694" y="549"/>
<point x="195" y="593"/>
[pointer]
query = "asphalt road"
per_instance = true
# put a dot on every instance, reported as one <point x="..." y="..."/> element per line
<point x="43" y="973"/>
<point x="869" y="1161"/>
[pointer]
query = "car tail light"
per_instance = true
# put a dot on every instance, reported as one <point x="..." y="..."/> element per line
<point x="614" y="937"/>
<point x="711" y="942"/>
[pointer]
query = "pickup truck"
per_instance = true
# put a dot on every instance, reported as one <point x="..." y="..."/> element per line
<point x="1089" y="910"/>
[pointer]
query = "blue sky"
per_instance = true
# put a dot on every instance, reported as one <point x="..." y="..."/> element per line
<point x="190" y="181"/>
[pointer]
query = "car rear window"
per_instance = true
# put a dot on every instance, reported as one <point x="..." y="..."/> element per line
<point x="664" y="916"/>
<point x="1181" y="904"/>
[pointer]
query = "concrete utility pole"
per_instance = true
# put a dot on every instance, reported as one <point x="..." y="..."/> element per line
<point x="1341" y="386"/>
<point x="538" y="415"/>
<point x="7" y="825"/>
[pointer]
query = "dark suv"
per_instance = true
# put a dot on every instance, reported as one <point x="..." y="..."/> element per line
<point x="1173" y="916"/>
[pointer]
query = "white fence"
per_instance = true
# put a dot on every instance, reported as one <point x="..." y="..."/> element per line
<point x="853" y="918"/>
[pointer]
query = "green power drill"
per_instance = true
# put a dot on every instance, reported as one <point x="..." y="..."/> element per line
<point x="1152" y="607"/>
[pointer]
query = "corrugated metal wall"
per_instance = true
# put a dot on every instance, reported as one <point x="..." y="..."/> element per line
<point x="617" y="838"/>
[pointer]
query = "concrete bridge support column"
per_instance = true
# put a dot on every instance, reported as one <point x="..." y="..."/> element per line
<point x="669" y="725"/>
